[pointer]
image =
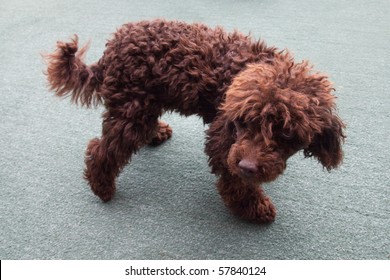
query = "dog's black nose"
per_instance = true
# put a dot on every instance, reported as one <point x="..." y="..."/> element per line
<point x="248" y="168"/>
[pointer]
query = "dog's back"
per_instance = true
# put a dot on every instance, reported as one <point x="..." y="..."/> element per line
<point x="184" y="67"/>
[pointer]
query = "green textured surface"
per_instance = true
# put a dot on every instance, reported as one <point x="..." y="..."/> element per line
<point x="166" y="206"/>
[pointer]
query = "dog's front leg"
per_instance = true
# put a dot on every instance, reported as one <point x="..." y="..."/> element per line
<point x="245" y="200"/>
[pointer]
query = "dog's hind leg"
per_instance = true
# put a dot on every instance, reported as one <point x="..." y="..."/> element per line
<point x="122" y="136"/>
<point x="163" y="133"/>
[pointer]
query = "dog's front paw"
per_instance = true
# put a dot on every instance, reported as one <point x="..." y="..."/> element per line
<point x="261" y="210"/>
<point x="265" y="211"/>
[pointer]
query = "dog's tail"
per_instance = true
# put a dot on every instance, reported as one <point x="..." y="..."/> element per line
<point x="68" y="75"/>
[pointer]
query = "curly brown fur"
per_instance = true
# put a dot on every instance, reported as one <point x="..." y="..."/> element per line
<point x="262" y="106"/>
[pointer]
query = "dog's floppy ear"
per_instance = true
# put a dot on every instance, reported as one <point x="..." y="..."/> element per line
<point x="326" y="145"/>
<point x="326" y="128"/>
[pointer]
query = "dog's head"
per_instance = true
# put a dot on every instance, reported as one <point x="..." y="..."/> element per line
<point x="270" y="112"/>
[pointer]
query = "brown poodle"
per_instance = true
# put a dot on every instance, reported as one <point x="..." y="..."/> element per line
<point x="262" y="107"/>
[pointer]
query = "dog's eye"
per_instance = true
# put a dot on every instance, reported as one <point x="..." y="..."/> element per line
<point x="287" y="135"/>
<point x="240" y="124"/>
